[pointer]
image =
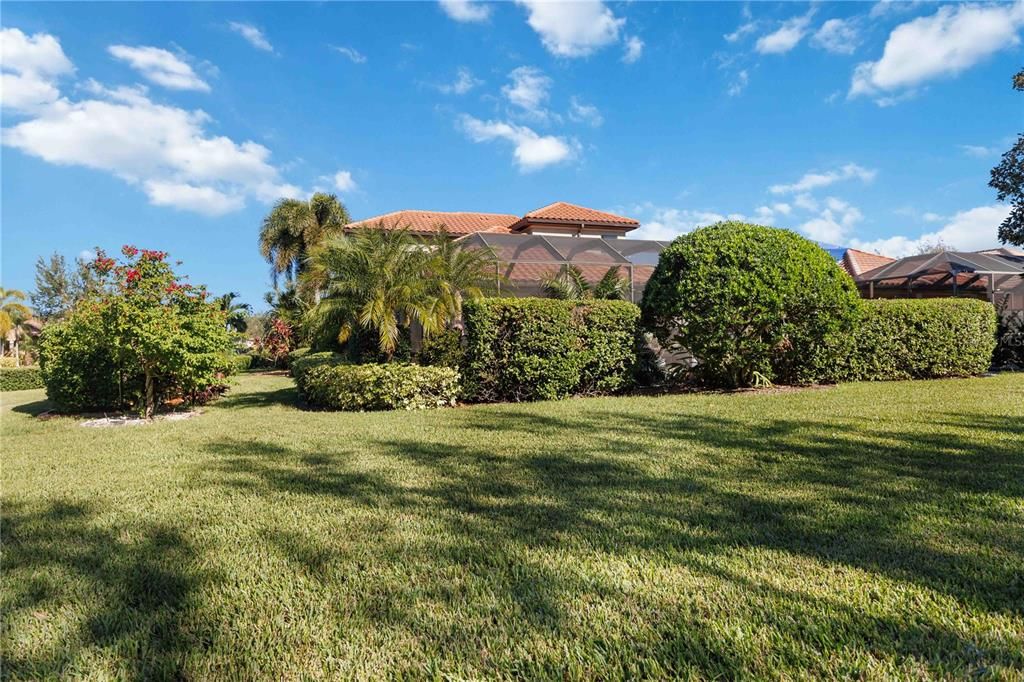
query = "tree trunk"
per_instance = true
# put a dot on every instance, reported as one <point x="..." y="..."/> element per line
<point x="150" y="394"/>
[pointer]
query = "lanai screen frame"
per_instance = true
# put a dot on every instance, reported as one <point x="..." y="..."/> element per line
<point x="561" y="247"/>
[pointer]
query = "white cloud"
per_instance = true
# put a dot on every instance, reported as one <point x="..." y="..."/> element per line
<point x="946" y="43"/>
<point x="573" y="29"/>
<point x="970" y="230"/>
<point x="741" y="31"/>
<point x="665" y="223"/>
<point x="838" y="36"/>
<point x="806" y="202"/>
<point x="786" y="37"/>
<point x="815" y="180"/>
<point x="528" y="91"/>
<point x="887" y="7"/>
<point x="463" y="83"/>
<point x="784" y="209"/>
<point x="354" y="55"/>
<point x="31" y="67"/>
<point x="585" y="113"/>
<point x="159" y="66"/>
<point x="834" y="223"/>
<point x="466" y="10"/>
<point x="978" y="151"/>
<point x="198" y="199"/>
<point x="252" y="34"/>
<point x="634" y="49"/>
<point x="343" y="181"/>
<point x="532" y="151"/>
<point x="739" y="84"/>
<point x="164" y="150"/>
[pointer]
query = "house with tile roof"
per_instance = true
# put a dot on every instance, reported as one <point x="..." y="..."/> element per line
<point x="560" y="219"/>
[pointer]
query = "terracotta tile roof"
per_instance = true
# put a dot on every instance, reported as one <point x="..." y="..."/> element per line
<point x="857" y="262"/>
<point x="428" y="222"/>
<point x="561" y="210"/>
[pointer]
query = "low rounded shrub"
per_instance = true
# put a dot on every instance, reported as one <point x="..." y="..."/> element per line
<point x="922" y="339"/>
<point x="20" y="378"/>
<point x="236" y="363"/>
<point x="751" y="304"/>
<point x="391" y="386"/>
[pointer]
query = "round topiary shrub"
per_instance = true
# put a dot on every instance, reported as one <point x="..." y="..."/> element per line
<point x="752" y="304"/>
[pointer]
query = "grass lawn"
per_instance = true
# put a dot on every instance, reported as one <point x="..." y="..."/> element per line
<point x="868" y="530"/>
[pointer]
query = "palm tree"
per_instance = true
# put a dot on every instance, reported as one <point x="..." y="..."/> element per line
<point x="235" y="312"/>
<point x="460" y="274"/>
<point x="377" y="280"/>
<point x="13" y="313"/>
<point x="570" y="285"/>
<point x="293" y="228"/>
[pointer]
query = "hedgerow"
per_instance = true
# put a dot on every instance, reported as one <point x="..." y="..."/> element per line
<point x="540" y="349"/>
<point x="392" y="386"/>
<point x="921" y="339"/>
<point x="20" y="378"/>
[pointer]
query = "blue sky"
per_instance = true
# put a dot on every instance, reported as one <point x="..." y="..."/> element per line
<point x="175" y="126"/>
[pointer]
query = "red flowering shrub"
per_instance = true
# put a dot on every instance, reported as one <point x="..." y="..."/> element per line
<point x="155" y="336"/>
<point x="275" y="345"/>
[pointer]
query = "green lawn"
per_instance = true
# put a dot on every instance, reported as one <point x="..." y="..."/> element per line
<point x="868" y="530"/>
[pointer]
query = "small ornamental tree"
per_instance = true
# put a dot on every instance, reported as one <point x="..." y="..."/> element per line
<point x="752" y="305"/>
<point x="158" y="332"/>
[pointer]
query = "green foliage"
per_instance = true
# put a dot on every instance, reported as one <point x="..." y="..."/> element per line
<point x="306" y="361"/>
<point x="273" y="348"/>
<point x="143" y="324"/>
<point x="79" y="364"/>
<point x="293" y="228"/>
<point x="1010" y="335"/>
<point x="540" y="349"/>
<point x="1007" y="179"/>
<point x="235" y="363"/>
<point x="376" y="281"/>
<point x="391" y="386"/>
<point x="20" y="378"/>
<point x="570" y="285"/>
<point x="59" y="287"/>
<point x="751" y="303"/>
<point x="443" y="350"/>
<point x="921" y="339"/>
<point x="235" y="314"/>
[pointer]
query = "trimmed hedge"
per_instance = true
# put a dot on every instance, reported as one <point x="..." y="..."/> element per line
<point x="540" y="349"/>
<point x="390" y="386"/>
<point x="751" y="304"/>
<point x="20" y="378"/>
<point x="922" y="339"/>
<point x="301" y="363"/>
<point x="239" y="362"/>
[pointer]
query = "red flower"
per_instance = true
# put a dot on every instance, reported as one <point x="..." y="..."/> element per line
<point x="129" y="250"/>
<point x="133" y="276"/>
<point x="153" y="255"/>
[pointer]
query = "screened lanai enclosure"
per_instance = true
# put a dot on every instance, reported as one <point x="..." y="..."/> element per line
<point x="996" y="275"/>
<point x="525" y="260"/>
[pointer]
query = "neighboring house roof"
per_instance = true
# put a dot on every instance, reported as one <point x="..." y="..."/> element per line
<point x="561" y="211"/>
<point x="430" y="222"/>
<point x="857" y="262"/>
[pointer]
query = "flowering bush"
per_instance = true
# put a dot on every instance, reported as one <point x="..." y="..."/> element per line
<point x="145" y="336"/>
<point x="274" y="346"/>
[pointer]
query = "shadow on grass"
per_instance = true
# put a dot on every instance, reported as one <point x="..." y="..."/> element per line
<point x="34" y="408"/>
<point x="686" y="489"/>
<point x="131" y="589"/>
<point x="287" y="397"/>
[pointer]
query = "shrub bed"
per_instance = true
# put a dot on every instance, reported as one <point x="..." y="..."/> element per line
<point x="20" y="378"/>
<point x="540" y="349"/>
<point x="922" y="339"/>
<point x="239" y="362"/>
<point x="391" y="386"/>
